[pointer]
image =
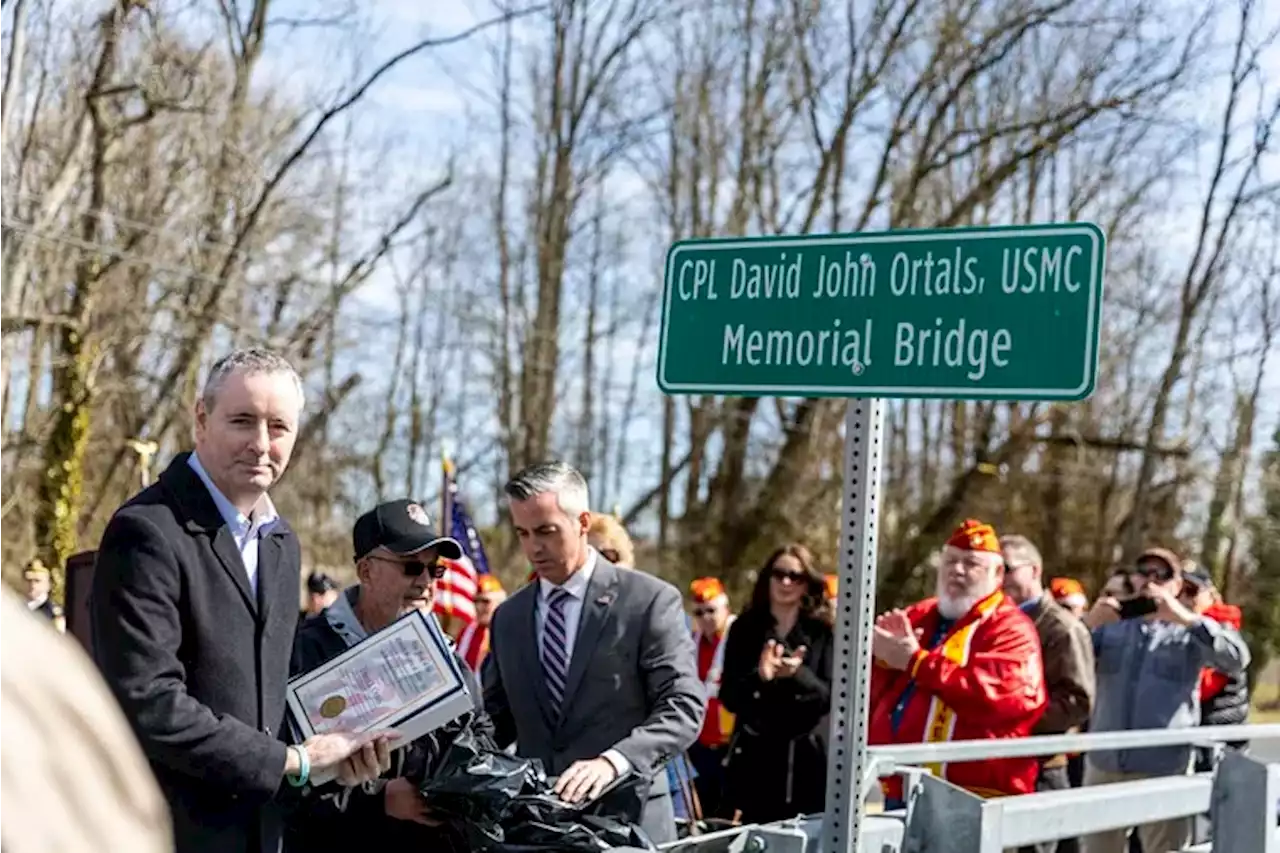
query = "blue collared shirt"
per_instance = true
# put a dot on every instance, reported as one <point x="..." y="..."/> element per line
<point x="1149" y="678"/>
<point x="244" y="529"/>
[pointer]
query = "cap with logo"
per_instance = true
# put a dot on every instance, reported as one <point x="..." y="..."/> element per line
<point x="403" y="528"/>
<point x="974" y="535"/>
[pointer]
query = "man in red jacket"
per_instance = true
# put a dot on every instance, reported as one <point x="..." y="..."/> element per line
<point x="965" y="665"/>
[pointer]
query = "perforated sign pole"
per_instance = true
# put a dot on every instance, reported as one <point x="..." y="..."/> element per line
<point x="851" y="677"/>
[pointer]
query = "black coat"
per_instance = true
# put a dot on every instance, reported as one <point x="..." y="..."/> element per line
<point x="356" y="819"/>
<point x="777" y="762"/>
<point x="1230" y="706"/>
<point x="198" y="662"/>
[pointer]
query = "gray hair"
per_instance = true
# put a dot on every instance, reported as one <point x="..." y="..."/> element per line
<point x="1018" y="549"/>
<point x="558" y="478"/>
<point x="247" y="361"/>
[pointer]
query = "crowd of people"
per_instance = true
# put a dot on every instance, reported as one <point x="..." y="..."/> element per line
<point x="597" y="670"/>
<point x="1000" y="651"/>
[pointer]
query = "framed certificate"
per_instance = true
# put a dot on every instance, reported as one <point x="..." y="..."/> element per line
<point x="404" y="677"/>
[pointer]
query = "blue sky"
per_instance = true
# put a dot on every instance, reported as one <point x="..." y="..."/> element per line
<point x="433" y="100"/>
<point x="428" y="111"/>
<point x="430" y="108"/>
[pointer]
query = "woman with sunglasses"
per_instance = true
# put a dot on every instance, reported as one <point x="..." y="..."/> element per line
<point x="777" y="682"/>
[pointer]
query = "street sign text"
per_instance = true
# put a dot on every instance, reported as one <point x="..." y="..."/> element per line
<point x="1008" y="312"/>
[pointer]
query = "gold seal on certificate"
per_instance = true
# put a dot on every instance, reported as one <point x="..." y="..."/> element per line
<point x="403" y="677"/>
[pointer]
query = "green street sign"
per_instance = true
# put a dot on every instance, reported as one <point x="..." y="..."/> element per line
<point x="965" y="313"/>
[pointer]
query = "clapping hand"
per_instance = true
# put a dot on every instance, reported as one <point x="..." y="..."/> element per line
<point x="894" y="641"/>
<point x="776" y="663"/>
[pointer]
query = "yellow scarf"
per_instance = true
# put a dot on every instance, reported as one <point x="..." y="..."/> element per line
<point x="941" y="723"/>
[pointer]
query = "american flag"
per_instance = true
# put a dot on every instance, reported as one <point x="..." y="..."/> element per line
<point x="456" y="591"/>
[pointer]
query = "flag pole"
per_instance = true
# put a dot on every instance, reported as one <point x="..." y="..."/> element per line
<point x="446" y="491"/>
<point x="446" y="512"/>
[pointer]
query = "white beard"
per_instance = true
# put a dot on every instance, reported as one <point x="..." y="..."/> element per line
<point x="953" y="607"/>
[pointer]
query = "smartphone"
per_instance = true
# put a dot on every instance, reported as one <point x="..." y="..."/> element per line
<point x="1134" y="608"/>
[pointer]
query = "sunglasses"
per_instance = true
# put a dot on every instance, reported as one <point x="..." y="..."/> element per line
<point x="788" y="576"/>
<point x="703" y="611"/>
<point x="415" y="568"/>
<point x="610" y="554"/>
<point x="1156" y="571"/>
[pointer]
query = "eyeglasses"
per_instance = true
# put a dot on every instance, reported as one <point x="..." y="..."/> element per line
<point x="703" y="611"/>
<point x="788" y="576"/>
<point x="415" y="568"/>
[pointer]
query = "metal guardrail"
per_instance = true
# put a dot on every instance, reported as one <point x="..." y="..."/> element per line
<point x="898" y="758"/>
<point x="1241" y="797"/>
<point x="903" y="755"/>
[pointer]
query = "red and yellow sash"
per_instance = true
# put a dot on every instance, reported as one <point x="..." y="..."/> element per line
<point x="941" y="723"/>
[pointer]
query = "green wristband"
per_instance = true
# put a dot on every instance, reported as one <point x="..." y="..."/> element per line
<point x="304" y="767"/>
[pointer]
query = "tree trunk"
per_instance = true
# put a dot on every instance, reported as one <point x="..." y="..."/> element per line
<point x="61" y="488"/>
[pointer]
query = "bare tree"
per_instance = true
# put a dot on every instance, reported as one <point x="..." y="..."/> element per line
<point x="1233" y="188"/>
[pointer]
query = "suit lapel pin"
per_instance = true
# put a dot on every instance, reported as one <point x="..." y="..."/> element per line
<point x="605" y="599"/>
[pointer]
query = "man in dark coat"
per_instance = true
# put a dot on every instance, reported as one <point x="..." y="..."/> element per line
<point x="1067" y="652"/>
<point x="397" y="562"/>
<point x="194" y="605"/>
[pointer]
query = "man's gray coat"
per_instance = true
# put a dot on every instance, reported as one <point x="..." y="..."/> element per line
<point x="632" y="686"/>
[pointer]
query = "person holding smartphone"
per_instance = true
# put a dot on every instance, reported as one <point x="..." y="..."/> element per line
<point x="777" y="683"/>
<point x="1150" y="648"/>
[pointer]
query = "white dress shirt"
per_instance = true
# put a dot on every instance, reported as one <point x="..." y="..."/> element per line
<point x="576" y="586"/>
<point x="244" y="529"/>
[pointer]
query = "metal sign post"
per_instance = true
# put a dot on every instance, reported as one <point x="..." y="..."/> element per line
<point x="851" y="676"/>
<point x="992" y="313"/>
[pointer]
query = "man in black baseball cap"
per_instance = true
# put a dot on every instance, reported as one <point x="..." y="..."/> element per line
<point x="397" y="552"/>
<point x="401" y="528"/>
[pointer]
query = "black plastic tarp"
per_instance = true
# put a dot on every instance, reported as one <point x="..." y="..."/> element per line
<point x="505" y="804"/>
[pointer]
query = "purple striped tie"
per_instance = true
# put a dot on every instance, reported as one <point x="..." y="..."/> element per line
<point x="555" y="658"/>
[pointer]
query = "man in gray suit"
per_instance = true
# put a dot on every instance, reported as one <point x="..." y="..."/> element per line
<point x="590" y="668"/>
